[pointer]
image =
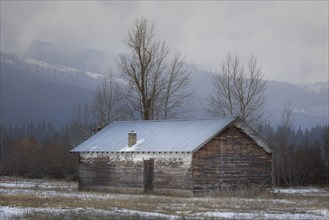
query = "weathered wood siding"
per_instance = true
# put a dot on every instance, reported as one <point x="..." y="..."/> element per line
<point x="230" y="161"/>
<point x="105" y="170"/>
<point x="173" y="172"/>
<point x="108" y="171"/>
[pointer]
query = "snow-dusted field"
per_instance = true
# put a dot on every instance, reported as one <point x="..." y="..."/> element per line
<point x="50" y="199"/>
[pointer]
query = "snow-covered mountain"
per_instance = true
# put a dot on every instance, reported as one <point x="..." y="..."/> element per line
<point x="57" y="71"/>
<point x="34" y="90"/>
<point x="41" y="71"/>
<point x="89" y="59"/>
<point x="314" y="87"/>
<point x="310" y="107"/>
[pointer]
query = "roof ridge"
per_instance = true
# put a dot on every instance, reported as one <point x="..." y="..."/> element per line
<point x="169" y="120"/>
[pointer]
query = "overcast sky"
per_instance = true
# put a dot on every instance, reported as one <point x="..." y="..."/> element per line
<point x="290" y="39"/>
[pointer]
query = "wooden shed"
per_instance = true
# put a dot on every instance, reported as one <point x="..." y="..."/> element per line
<point x="183" y="156"/>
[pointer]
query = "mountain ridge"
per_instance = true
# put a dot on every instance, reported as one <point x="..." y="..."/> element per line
<point x="50" y="91"/>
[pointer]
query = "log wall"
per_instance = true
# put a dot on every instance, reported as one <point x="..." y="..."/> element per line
<point x="231" y="161"/>
<point x="116" y="171"/>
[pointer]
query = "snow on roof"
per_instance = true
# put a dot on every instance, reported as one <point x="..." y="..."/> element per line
<point x="155" y="136"/>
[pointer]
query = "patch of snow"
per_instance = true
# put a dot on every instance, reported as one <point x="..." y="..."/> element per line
<point x="67" y="194"/>
<point x="17" y="185"/>
<point x="54" y="69"/>
<point x="7" y="212"/>
<point x="281" y="201"/>
<point x="315" y="110"/>
<point x="314" y="87"/>
<point x="8" y="61"/>
<point x="53" y="194"/>
<point x="94" y="75"/>
<point x="263" y="215"/>
<point x="303" y="191"/>
<point x="93" y="148"/>
<point x="134" y="147"/>
<point x="36" y="184"/>
<point x="146" y="214"/>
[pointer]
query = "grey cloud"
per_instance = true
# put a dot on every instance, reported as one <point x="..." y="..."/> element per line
<point x="289" y="38"/>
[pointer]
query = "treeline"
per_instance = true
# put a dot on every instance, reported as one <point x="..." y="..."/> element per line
<point x="38" y="150"/>
<point x="301" y="157"/>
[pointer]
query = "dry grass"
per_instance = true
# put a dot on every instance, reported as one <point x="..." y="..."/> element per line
<point x="122" y="206"/>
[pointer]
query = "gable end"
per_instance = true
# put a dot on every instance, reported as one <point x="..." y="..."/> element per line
<point x="239" y="123"/>
<point x="253" y="134"/>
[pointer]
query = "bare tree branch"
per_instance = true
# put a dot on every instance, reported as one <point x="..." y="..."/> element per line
<point x="108" y="101"/>
<point x="156" y="86"/>
<point x="238" y="91"/>
<point x="82" y="122"/>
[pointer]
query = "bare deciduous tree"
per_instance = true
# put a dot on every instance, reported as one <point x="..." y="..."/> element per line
<point x="325" y="139"/>
<point x="287" y="116"/>
<point x="287" y="167"/>
<point x="239" y="91"/>
<point x="176" y="96"/>
<point x="282" y="144"/>
<point x="82" y="122"/>
<point x="108" y="102"/>
<point x="156" y="86"/>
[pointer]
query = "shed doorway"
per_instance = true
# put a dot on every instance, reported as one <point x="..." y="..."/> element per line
<point x="148" y="175"/>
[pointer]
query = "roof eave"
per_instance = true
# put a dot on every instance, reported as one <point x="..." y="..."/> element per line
<point x="213" y="136"/>
<point x="261" y="142"/>
<point x="136" y="152"/>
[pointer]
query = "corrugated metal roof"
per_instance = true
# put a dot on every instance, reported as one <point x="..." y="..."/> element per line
<point x="155" y="136"/>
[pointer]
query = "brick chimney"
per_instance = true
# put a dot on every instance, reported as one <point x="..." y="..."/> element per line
<point x="132" y="138"/>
